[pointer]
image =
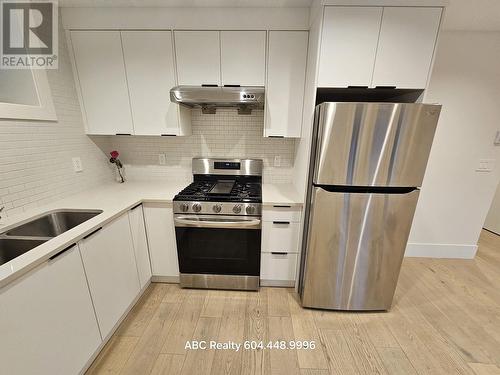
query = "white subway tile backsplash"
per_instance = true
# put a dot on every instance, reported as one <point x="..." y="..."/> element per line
<point x="225" y="134"/>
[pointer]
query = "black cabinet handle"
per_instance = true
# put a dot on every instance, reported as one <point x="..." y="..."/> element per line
<point x="61" y="252"/>
<point x="168" y="135"/>
<point x="281" y="206"/>
<point x="281" y="222"/>
<point x="123" y="134"/>
<point x="209" y="85"/>
<point x="276" y="136"/>
<point x="92" y="233"/>
<point x="137" y="205"/>
<point x="279" y="252"/>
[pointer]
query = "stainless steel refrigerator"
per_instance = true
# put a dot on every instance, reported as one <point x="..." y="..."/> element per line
<point x="367" y="164"/>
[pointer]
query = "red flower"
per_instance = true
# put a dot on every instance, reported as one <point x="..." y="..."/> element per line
<point x="114" y="154"/>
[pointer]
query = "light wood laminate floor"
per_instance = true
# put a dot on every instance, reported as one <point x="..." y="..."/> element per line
<point x="445" y="320"/>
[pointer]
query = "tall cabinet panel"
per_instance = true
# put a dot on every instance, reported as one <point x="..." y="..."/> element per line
<point x="406" y="46"/>
<point x="103" y="85"/>
<point x="149" y="62"/>
<point x="348" y="46"/>
<point x="198" y="57"/>
<point x="138" y="229"/>
<point x="243" y="57"/>
<point x="286" y="70"/>
<point x="47" y="320"/>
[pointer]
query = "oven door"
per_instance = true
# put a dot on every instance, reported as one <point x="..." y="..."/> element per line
<point x="220" y="245"/>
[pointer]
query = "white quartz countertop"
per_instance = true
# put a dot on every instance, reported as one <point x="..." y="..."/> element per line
<point x="113" y="199"/>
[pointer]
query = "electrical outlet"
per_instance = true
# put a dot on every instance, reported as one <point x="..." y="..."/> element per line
<point x="486" y="165"/>
<point x="277" y="161"/>
<point x="497" y="139"/>
<point x="162" y="159"/>
<point x="77" y="164"/>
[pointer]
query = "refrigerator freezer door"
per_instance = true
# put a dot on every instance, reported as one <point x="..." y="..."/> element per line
<point x="355" y="246"/>
<point x="373" y="144"/>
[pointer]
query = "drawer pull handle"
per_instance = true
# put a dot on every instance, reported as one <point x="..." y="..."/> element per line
<point x="279" y="252"/>
<point x="281" y="222"/>
<point x="137" y="205"/>
<point x="281" y="206"/>
<point x="61" y="252"/>
<point x="92" y="233"/>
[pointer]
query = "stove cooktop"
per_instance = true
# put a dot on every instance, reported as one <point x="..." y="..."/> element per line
<point x="223" y="190"/>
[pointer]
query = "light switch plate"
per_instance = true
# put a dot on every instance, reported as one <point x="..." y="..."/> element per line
<point x="162" y="159"/>
<point x="486" y="165"/>
<point x="277" y="161"/>
<point x="497" y="139"/>
<point x="77" y="164"/>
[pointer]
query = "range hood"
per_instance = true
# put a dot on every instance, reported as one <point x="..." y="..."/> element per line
<point x="208" y="98"/>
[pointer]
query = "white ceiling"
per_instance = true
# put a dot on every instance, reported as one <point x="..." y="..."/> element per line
<point x="479" y="15"/>
<point x="186" y="3"/>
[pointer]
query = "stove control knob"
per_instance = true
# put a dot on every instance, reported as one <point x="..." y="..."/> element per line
<point x="237" y="209"/>
<point x="217" y="208"/>
<point x="184" y="207"/>
<point x="196" y="207"/>
<point x="250" y="210"/>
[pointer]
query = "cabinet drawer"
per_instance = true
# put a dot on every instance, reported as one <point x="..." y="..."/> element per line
<point x="281" y="213"/>
<point x="278" y="267"/>
<point x="280" y="236"/>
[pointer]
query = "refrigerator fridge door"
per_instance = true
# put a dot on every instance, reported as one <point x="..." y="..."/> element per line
<point x="355" y="247"/>
<point x="373" y="144"/>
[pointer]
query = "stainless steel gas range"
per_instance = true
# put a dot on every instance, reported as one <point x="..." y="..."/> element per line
<point x="218" y="225"/>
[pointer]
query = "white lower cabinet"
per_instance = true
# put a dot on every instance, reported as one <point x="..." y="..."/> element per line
<point x="47" y="322"/>
<point x="278" y="269"/>
<point x="280" y="245"/>
<point x="161" y="237"/>
<point x="109" y="261"/>
<point x="140" y="242"/>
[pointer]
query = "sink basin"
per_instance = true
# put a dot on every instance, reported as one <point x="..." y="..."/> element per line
<point x="12" y="248"/>
<point x="53" y="223"/>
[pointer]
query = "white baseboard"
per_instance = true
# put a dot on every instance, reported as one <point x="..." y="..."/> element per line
<point x="432" y="250"/>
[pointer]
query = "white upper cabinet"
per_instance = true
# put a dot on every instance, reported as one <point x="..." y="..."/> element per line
<point x="406" y="46"/>
<point x="103" y="85"/>
<point x="286" y="70"/>
<point x="243" y="57"/>
<point x="198" y="57"/>
<point x="348" y="46"/>
<point x="149" y="62"/>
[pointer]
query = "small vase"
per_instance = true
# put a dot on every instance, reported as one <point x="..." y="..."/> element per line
<point x="120" y="175"/>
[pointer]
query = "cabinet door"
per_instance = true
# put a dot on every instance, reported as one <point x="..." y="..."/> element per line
<point x="140" y="242"/>
<point x="406" y="46"/>
<point x="161" y="236"/>
<point x="243" y="57"/>
<point x="286" y="70"/>
<point x="198" y="57"/>
<point x="149" y="62"/>
<point x="348" y="46"/>
<point x="103" y="85"/>
<point x="109" y="261"/>
<point x="47" y="324"/>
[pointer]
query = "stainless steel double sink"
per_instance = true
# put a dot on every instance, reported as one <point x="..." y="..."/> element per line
<point x="25" y="237"/>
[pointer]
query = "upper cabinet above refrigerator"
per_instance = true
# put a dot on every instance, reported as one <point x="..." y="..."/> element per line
<point x="378" y="46"/>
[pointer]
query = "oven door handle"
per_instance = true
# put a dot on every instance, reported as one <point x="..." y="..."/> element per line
<point x="191" y="222"/>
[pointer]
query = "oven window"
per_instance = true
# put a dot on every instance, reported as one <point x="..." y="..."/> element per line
<point x="219" y="251"/>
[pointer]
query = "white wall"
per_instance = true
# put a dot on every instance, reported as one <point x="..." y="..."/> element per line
<point x="35" y="156"/>
<point x="493" y="219"/>
<point x="455" y="198"/>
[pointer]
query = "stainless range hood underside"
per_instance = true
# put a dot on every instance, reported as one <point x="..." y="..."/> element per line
<point x="210" y="98"/>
